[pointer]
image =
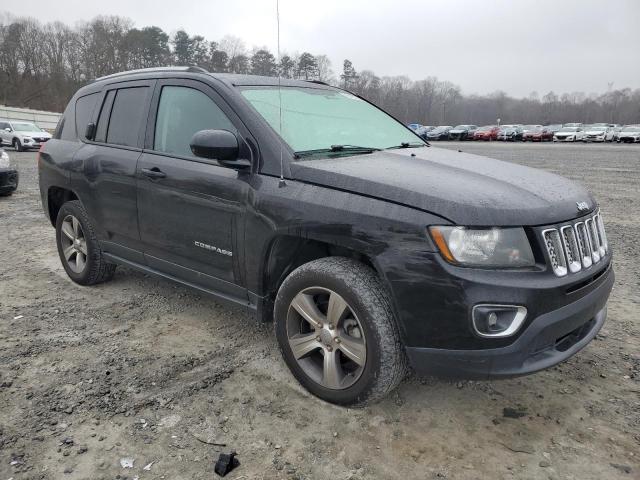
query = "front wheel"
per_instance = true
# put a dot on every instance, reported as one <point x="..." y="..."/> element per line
<point x="337" y="333"/>
<point x="78" y="247"/>
<point x="17" y="146"/>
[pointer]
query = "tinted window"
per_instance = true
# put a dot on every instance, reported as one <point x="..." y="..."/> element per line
<point x="84" y="109"/>
<point x="182" y="112"/>
<point x="103" y="119"/>
<point x="129" y="109"/>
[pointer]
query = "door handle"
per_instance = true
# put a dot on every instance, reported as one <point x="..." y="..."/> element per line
<point x="154" y="172"/>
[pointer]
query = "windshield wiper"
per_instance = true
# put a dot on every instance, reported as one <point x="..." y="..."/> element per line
<point x="410" y="145"/>
<point x="338" y="149"/>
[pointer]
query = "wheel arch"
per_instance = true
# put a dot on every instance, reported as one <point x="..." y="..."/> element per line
<point x="287" y="252"/>
<point x="56" y="197"/>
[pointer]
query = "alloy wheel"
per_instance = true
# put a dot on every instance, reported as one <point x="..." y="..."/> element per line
<point x="74" y="244"/>
<point x="326" y="338"/>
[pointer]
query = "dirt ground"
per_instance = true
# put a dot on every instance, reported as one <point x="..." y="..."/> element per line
<point x="142" y="370"/>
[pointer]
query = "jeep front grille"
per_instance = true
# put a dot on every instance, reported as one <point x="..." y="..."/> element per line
<point x="576" y="246"/>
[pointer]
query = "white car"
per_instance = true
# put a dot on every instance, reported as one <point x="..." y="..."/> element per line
<point x="629" y="134"/>
<point x="568" y="134"/>
<point x="22" y="135"/>
<point x="597" y="133"/>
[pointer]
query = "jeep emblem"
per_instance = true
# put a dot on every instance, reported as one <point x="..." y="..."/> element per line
<point x="582" y="206"/>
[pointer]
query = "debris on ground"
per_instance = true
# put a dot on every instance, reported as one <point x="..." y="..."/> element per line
<point x="509" y="412"/>
<point x="226" y="462"/>
<point x="127" y="462"/>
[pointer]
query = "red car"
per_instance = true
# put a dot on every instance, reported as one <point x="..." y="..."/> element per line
<point x="537" y="135"/>
<point x="489" y="132"/>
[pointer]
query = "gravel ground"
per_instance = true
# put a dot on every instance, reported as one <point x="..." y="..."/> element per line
<point x="143" y="369"/>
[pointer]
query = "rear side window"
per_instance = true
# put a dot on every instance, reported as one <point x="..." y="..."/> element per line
<point x="129" y="109"/>
<point x="84" y="109"/>
<point x="182" y="112"/>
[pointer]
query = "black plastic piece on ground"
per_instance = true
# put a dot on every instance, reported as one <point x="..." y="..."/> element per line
<point x="226" y="462"/>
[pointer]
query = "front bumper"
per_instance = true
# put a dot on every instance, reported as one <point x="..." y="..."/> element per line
<point x="8" y="180"/>
<point x="628" y="139"/>
<point x="547" y="340"/>
<point x="34" y="143"/>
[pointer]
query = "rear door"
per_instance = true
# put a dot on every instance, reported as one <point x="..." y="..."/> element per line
<point x="189" y="208"/>
<point x="109" y="165"/>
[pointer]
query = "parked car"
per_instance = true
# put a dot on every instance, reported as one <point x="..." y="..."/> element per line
<point x="596" y="133"/>
<point x="629" y="134"/>
<point x="537" y="134"/>
<point x="510" y="133"/>
<point x="8" y="175"/>
<point x="568" y="134"/>
<point x="414" y="126"/>
<point x="553" y="128"/>
<point x="423" y="130"/>
<point x="487" y="133"/>
<point x="612" y="135"/>
<point x="363" y="257"/>
<point x="22" y="135"/>
<point x="439" y="133"/>
<point x="462" y="132"/>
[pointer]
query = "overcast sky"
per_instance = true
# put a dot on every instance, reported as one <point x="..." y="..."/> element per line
<point x="481" y="45"/>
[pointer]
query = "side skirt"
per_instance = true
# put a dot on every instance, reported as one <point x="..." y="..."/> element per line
<point x="223" y="297"/>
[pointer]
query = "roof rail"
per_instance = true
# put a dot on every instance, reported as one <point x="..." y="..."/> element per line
<point x="190" y="69"/>
<point x="319" y="82"/>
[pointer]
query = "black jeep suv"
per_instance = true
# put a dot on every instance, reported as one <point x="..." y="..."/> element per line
<point x="315" y="209"/>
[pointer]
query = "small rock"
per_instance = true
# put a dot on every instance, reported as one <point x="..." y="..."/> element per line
<point x="82" y="450"/>
<point x="509" y="412"/>
<point x="545" y="463"/>
<point x="68" y="470"/>
<point x="622" y="468"/>
<point x="127" y="462"/>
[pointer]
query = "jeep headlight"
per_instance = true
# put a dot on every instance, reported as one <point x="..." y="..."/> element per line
<point x="484" y="247"/>
<point x="4" y="159"/>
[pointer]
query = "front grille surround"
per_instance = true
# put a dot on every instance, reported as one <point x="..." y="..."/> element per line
<point x="576" y="246"/>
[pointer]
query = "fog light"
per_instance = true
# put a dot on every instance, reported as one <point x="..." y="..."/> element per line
<point x="497" y="320"/>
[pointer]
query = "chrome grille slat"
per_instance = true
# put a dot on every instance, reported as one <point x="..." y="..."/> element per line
<point x="583" y="244"/>
<point x="576" y="246"/>
<point x="593" y="239"/>
<point x="571" y="248"/>
<point x="555" y="251"/>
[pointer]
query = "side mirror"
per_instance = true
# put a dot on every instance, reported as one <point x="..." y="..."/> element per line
<point x="8" y="129"/>
<point x="220" y="145"/>
<point x="90" y="131"/>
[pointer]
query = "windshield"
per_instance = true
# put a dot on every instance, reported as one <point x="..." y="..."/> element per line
<point x="631" y="129"/>
<point x="316" y="119"/>
<point x="25" y="127"/>
<point x="486" y="129"/>
<point x="440" y="129"/>
<point x="569" y="129"/>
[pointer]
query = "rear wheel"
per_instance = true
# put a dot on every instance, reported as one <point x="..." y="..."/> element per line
<point x="78" y="247"/>
<point x="337" y="333"/>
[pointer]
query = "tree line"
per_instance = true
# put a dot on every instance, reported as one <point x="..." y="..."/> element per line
<point x="42" y="65"/>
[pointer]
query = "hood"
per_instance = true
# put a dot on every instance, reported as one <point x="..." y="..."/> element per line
<point x="458" y="130"/>
<point x="463" y="188"/>
<point x="595" y="132"/>
<point x="35" y="134"/>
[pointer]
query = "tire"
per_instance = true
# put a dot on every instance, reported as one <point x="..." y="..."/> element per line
<point x="367" y="326"/>
<point x="17" y="145"/>
<point x="78" y="247"/>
